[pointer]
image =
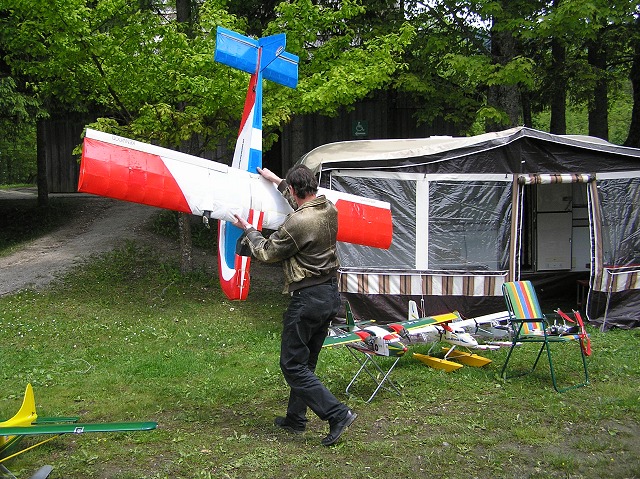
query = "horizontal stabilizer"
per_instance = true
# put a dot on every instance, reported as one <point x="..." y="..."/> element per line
<point x="235" y="50"/>
<point x="283" y="70"/>
<point x="241" y="52"/>
<point x="77" y="428"/>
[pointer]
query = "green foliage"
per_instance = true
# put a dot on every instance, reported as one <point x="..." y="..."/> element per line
<point x="18" y="160"/>
<point x="154" y="79"/>
<point x="17" y="142"/>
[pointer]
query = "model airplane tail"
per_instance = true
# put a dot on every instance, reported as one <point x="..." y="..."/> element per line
<point x="26" y="423"/>
<point x="264" y="58"/>
<point x="27" y="412"/>
<point x="25" y="415"/>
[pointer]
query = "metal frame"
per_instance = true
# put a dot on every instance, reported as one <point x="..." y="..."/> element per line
<point x="368" y="359"/>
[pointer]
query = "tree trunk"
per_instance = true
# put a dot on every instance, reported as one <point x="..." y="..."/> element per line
<point x="558" y="123"/>
<point x="186" y="246"/>
<point x="503" y="97"/>
<point x="297" y="143"/>
<point x="599" y="107"/>
<point x="527" y="118"/>
<point x="633" y="139"/>
<point x="184" y="16"/>
<point x="43" y="185"/>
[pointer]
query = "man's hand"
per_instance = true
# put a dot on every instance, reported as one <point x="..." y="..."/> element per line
<point x="241" y="223"/>
<point x="270" y="175"/>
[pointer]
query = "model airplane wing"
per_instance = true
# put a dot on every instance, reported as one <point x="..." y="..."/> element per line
<point x="130" y="170"/>
<point x="77" y="428"/>
<point x="337" y="337"/>
<point x="417" y="325"/>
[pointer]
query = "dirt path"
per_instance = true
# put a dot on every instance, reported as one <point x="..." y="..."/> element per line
<point x="102" y="225"/>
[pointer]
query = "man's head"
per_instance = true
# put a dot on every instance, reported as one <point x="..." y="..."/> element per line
<point x="302" y="180"/>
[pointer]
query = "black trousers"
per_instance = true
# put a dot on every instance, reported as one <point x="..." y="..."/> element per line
<point x="305" y="325"/>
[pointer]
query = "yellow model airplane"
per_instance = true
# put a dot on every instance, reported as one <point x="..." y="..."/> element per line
<point x="27" y="423"/>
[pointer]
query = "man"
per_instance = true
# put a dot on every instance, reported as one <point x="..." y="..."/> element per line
<point x="306" y="245"/>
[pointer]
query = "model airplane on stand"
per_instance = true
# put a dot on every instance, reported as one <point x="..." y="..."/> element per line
<point x="394" y="339"/>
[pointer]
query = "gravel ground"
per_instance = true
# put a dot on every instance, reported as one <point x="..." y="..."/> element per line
<point x="102" y="225"/>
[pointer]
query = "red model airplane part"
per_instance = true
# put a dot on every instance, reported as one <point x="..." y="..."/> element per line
<point x="131" y="175"/>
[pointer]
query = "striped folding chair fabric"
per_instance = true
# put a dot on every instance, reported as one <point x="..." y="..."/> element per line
<point x="529" y="325"/>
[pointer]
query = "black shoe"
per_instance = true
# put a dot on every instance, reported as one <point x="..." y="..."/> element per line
<point x="283" y="423"/>
<point x="336" y="429"/>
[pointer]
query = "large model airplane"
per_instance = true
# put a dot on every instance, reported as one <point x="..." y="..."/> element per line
<point x="27" y="423"/>
<point x="130" y="170"/>
<point x="263" y="58"/>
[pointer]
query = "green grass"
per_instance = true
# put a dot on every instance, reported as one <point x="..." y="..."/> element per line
<point x="126" y="337"/>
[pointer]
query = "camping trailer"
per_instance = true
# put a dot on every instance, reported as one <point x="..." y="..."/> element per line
<point x="472" y="213"/>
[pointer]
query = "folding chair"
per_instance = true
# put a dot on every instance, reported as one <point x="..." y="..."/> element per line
<point x="529" y="325"/>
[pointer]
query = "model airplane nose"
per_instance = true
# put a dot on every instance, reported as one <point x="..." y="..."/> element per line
<point x="396" y="348"/>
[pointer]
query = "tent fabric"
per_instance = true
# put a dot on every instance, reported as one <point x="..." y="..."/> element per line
<point x="519" y="150"/>
<point x="420" y="284"/>
<point x="458" y="212"/>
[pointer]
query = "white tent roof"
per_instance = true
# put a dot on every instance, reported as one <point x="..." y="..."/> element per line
<point x="367" y="150"/>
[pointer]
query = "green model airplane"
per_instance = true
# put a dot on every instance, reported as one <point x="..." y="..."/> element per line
<point x="27" y="423"/>
<point x="387" y="340"/>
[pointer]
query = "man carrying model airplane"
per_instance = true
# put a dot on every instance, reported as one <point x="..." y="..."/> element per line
<point x="306" y="245"/>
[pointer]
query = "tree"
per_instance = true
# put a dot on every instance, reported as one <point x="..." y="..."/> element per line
<point x="633" y="139"/>
<point x="558" y="102"/>
<point x="148" y="67"/>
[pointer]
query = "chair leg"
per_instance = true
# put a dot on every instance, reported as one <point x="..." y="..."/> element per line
<point x="503" y="374"/>
<point x="574" y="386"/>
<point x="544" y="344"/>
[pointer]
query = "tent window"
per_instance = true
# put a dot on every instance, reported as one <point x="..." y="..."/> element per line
<point x="619" y="202"/>
<point x="469" y="225"/>
<point x="401" y="195"/>
<point x="439" y="223"/>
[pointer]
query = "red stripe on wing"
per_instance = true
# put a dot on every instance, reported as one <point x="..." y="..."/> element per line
<point x="130" y="175"/>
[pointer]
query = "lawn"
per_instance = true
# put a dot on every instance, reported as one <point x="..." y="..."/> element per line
<point x="126" y="337"/>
